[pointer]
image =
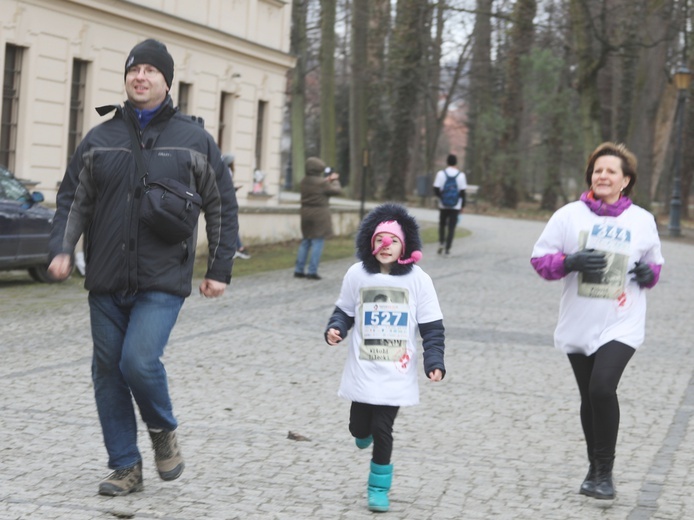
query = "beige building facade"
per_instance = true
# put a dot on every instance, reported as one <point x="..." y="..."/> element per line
<point x="62" y="58"/>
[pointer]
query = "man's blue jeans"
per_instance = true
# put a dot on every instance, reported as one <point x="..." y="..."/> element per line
<point x="130" y="333"/>
<point x="316" y="247"/>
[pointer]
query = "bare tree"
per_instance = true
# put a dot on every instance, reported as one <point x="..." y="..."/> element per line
<point x="298" y="85"/>
<point x="328" y="145"/>
<point x="405" y="59"/>
<point x="622" y="48"/>
<point x="602" y="64"/>
<point x="651" y="78"/>
<point x="481" y="109"/>
<point x="520" y="43"/>
<point x="440" y="91"/>
<point x="378" y="97"/>
<point x="357" y="98"/>
<point x="591" y="47"/>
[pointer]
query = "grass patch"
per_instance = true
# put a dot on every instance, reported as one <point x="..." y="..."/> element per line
<point x="271" y="257"/>
<point x="525" y="210"/>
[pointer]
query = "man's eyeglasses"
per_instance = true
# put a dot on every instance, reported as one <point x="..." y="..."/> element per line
<point x="147" y="70"/>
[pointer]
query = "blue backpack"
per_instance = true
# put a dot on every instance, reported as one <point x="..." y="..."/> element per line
<point x="450" y="192"/>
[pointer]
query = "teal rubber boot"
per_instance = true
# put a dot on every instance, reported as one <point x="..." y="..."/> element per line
<point x="380" y="479"/>
<point x="364" y="443"/>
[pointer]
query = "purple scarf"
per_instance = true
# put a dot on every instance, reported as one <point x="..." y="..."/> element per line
<point x="602" y="208"/>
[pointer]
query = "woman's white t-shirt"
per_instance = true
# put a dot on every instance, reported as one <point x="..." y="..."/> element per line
<point x="381" y="366"/>
<point x="593" y="312"/>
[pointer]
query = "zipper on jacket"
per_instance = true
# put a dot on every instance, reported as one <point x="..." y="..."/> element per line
<point x="135" y="197"/>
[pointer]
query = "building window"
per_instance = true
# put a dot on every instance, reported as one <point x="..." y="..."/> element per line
<point x="77" y="102"/>
<point x="184" y="97"/>
<point x="259" y="134"/>
<point x="10" y="105"/>
<point x="225" y="118"/>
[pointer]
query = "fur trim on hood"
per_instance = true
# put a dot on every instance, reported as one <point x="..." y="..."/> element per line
<point x="384" y="213"/>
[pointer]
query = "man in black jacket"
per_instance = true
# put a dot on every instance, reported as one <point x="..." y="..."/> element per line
<point x="137" y="281"/>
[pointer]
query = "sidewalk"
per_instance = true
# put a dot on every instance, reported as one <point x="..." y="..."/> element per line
<point x="499" y="438"/>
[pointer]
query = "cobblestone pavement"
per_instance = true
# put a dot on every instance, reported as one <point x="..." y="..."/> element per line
<point x="499" y="438"/>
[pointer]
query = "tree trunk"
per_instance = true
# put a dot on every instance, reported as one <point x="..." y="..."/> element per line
<point x="405" y="57"/>
<point x="482" y="134"/>
<point x="328" y="148"/>
<point x="555" y="144"/>
<point x="648" y="95"/>
<point x="433" y="86"/>
<point x="591" y="55"/>
<point x="357" y="98"/>
<point x="378" y="98"/>
<point x="438" y="103"/>
<point x="520" y="43"/>
<point x="298" y="101"/>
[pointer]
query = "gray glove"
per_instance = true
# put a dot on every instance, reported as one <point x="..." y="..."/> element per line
<point x="643" y="274"/>
<point x="586" y="261"/>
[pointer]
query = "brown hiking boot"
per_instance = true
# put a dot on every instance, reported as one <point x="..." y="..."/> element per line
<point x="122" y="481"/>
<point x="167" y="454"/>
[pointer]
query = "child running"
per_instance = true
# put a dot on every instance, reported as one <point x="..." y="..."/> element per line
<point x="386" y="297"/>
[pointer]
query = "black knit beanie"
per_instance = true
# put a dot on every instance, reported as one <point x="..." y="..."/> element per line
<point x="152" y="52"/>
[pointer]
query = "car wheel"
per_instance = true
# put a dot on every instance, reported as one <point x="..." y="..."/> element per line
<point x="40" y="274"/>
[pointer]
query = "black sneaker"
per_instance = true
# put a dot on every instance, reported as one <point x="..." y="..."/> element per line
<point x="122" y="481"/>
<point x="167" y="454"/>
<point x="299" y="275"/>
<point x="313" y="277"/>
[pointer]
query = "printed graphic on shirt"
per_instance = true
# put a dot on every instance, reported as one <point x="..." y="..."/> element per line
<point x="625" y="301"/>
<point x="615" y="242"/>
<point x="385" y="324"/>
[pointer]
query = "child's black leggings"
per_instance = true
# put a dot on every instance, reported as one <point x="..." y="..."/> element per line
<point x="597" y="377"/>
<point x="377" y="420"/>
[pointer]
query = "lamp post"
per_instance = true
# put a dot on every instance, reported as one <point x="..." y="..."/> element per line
<point x="683" y="78"/>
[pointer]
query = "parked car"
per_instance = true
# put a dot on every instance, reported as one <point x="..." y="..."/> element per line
<point x="25" y="226"/>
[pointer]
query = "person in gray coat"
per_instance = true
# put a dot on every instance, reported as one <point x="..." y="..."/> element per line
<point x="319" y="184"/>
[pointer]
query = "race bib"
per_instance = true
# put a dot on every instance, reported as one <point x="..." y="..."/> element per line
<point x="385" y="324"/>
<point x="615" y="242"/>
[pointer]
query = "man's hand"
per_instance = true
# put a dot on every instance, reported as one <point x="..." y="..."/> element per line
<point x="212" y="288"/>
<point x="586" y="261"/>
<point x="60" y="267"/>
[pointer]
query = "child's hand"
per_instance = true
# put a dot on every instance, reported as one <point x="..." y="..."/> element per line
<point x="333" y="336"/>
<point x="436" y="375"/>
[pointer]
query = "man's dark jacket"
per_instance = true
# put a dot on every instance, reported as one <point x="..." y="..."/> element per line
<point x="101" y="192"/>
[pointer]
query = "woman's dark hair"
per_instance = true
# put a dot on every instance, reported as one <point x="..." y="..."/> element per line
<point x="617" y="150"/>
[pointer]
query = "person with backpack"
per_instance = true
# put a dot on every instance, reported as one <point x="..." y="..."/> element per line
<point x="449" y="186"/>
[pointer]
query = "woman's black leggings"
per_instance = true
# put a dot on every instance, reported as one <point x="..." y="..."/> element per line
<point x="377" y="420"/>
<point x="597" y="377"/>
